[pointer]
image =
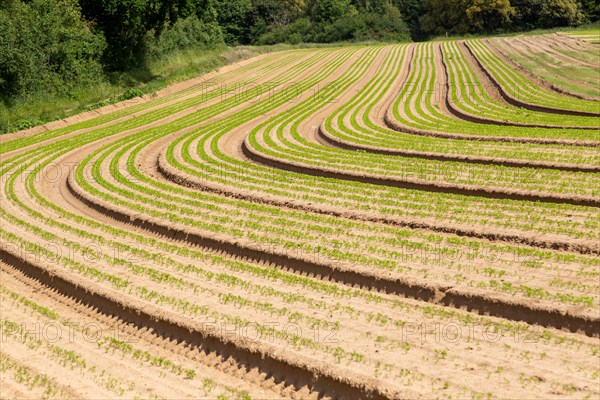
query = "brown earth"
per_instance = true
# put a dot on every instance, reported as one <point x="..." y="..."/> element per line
<point x="370" y="359"/>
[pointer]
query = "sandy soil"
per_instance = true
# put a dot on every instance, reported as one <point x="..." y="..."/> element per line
<point x="169" y="260"/>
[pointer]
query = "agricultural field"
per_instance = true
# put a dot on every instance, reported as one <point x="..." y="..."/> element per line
<point x="589" y="35"/>
<point x="362" y="222"/>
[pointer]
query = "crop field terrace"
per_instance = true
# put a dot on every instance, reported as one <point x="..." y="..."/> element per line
<point x="363" y="222"/>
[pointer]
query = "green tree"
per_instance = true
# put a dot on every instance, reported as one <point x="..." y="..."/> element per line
<point x="233" y="16"/>
<point x="330" y="10"/>
<point x="560" y="13"/>
<point x="372" y="6"/>
<point x="387" y="25"/>
<point x="125" y="24"/>
<point x="531" y="14"/>
<point x="278" y="13"/>
<point x="591" y="9"/>
<point x="444" y="16"/>
<point x="466" y="16"/>
<point x="411" y="11"/>
<point x="185" y="34"/>
<point x="46" y="49"/>
<point x="489" y="15"/>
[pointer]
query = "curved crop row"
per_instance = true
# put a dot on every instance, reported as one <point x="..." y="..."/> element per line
<point x="467" y="95"/>
<point x="554" y="64"/>
<point x="173" y="159"/>
<point x="238" y="178"/>
<point x="272" y="142"/>
<point x="417" y="109"/>
<point x="519" y="89"/>
<point x="357" y="125"/>
<point x="221" y="87"/>
<point x="182" y="218"/>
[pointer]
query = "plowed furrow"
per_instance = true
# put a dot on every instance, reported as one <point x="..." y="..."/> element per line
<point x="421" y="291"/>
<point x="284" y="373"/>
<point x="525" y="104"/>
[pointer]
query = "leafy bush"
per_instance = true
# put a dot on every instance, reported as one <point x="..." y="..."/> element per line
<point x="532" y="14"/>
<point x="466" y="16"/>
<point x="352" y="27"/>
<point x="26" y="123"/>
<point x="187" y="33"/>
<point x="294" y="33"/>
<point x="47" y="49"/>
<point x="232" y="16"/>
<point x="329" y="11"/>
<point x="131" y="93"/>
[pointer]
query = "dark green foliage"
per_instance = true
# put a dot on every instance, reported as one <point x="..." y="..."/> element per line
<point x="233" y="16"/>
<point x="328" y="11"/>
<point x="560" y="13"/>
<point x="349" y="26"/>
<point x="294" y="33"/>
<point x="125" y="24"/>
<point x="466" y="16"/>
<point x="443" y="16"/>
<point x="531" y="14"/>
<point x="270" y="15"/>
<point x="131" y="93"/>
<point x="411" y="10"/>
<point x="295" y="21"/>
<point x="489" y="15"/>
<point x="277" y="13"/>
<point x="591" y="10"/>
<point x="186" y="33"/>
<point x="494" y="16"/>
<point x="46" y="48"/>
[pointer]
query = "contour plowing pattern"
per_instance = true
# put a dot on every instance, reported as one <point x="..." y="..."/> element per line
<point x="380" y="222"/>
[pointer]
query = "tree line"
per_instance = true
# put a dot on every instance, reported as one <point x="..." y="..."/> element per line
<point x="57" y="47"/>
